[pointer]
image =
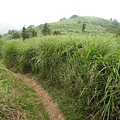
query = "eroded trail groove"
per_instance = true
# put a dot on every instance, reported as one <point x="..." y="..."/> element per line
<point x="50" y="106"/>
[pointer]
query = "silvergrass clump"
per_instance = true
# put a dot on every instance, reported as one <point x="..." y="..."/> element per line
<point x="10" y="53"/>
<point x="87" y="68"/>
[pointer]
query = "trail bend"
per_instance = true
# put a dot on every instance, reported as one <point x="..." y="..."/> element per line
<point x="50" y="106"/>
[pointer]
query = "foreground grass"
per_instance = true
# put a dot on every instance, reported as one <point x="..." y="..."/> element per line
<point x="82" y="73"/>
<point x="17" y="100"/>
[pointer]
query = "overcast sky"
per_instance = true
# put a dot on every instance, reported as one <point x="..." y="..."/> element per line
<point x="35" y="12"/>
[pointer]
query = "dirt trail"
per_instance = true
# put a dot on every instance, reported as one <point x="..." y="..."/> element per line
<point x="50" y="106"/>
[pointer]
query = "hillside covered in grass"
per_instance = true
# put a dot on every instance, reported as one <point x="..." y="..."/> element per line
<point x="74" y="24"/>
<point x="82" y="73"/>
<point x="70" y="26"/>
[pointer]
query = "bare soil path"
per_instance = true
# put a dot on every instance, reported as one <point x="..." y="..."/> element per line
<point x="50" y="106"/>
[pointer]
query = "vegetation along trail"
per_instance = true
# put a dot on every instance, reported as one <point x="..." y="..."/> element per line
<point x="50" y="106"/>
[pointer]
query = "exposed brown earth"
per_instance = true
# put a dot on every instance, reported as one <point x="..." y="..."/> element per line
<point x="50" y="106"/>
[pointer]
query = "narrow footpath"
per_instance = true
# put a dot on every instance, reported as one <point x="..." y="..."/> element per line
<point x="50" y="106"/>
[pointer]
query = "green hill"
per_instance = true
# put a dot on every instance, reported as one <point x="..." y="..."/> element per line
<point x="74" y="24"/>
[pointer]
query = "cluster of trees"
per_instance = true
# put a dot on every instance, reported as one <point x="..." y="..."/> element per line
<point x="25" y="33"/>
<point x="56" y="32"/>
<point x="28" y="32"/>
<point x="47" y="31"/>
<point x="14" y="34"/>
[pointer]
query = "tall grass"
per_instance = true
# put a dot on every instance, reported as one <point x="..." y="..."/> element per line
<point x="1" y="43"/>
<point x="87" y="68"/>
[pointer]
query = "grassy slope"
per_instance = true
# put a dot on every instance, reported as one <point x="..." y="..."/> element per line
<point x="72" y="26"/>
<point x="82" y="71"/>
<point x="17" y="100"/>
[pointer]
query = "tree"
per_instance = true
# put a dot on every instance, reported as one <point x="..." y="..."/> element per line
<point x="25" y="34"/>
<point x="16" y="34"/>
<point x="62" y="19"/>
<point x="31" y="31"/>
<point x="30" y="28"/>
<point x="83" y="27"/>
<point x="74" y="16"/>
<point x="34" y="33"/>
<point x="0" y="36"/>
<point x="10" y="32"/>
<point x="110" y="19"/>
<point x="115" y="23"/>
<point x="46" y="30"/>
